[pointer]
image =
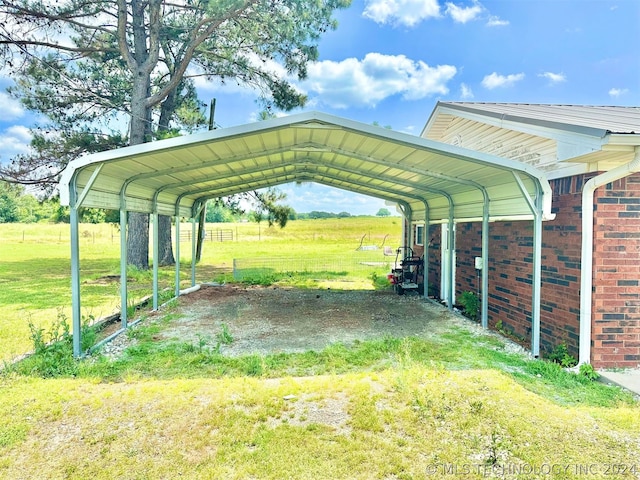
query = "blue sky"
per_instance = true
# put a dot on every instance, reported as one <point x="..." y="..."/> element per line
<point x="390" y="61"/>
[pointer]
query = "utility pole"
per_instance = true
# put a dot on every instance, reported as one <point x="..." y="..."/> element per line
<point x="203" y="214"/>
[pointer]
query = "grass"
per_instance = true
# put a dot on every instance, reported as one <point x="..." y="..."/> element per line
<point x="387" y="408"/>
<point x="35" y="267"/>
<point x="457" y="405"/>
<point x="399" y="422"/>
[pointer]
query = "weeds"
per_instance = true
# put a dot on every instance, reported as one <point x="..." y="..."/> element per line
<point x="202" y="342"/>
<point x="560" y="355"/>
<point x="225" y="337"/>
<point x="380" y="282"/>
<point x="253" y="365"/>
<point x="493" y="453"/>
<point x="53" y="349"/>
<point x="587" y="371"/>
<point x="470" y="303"/>
<point x="150" y="358"/>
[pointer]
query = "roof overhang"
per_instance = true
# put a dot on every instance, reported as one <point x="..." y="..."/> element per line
<point x="174" y="176"/>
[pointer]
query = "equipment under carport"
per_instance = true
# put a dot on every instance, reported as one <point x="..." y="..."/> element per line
<point x="407" y="272"/>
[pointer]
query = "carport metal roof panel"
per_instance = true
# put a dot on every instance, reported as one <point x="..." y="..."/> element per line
<point x="173" y="176"/>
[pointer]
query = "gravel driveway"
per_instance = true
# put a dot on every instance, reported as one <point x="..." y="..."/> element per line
<point x="271" y="319"/>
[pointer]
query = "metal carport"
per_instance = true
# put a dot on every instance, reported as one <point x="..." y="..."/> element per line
<point x="429" y="180"/>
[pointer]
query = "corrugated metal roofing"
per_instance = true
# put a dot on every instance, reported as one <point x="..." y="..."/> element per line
<point x="174" y="176"/>
<point x="577" y="118"/>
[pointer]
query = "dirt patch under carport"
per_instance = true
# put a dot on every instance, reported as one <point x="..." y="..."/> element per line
<point x="272" y="319"/>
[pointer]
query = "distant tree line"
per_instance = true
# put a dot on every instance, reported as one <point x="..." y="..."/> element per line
<point x="313" y="215"/>
<point x="19" y="206"/>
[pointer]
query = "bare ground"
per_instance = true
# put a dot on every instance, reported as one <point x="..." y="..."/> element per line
<point x="271" y="320"/>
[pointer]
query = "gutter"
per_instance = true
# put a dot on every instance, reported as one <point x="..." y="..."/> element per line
<point x="586" y="264"/>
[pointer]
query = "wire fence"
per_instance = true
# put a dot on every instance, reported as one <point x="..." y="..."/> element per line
<point x="357" y="264"/>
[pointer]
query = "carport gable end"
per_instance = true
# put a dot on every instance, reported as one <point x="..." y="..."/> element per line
<point x="173" y="176"/>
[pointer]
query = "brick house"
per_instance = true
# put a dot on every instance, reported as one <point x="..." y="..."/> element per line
<point x="590" y="156"/>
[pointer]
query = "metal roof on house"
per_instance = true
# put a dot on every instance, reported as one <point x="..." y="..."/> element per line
<point x="174" y="176"/>
<point x="587" y="119"/>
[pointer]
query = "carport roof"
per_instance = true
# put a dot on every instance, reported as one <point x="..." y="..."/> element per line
<point x="174" y="176"/>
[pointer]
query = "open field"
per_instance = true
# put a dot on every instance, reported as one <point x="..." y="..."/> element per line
<point x="35" y="265"/>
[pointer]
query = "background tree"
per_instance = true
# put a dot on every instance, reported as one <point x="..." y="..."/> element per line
<point x="8" y="203"/>
<point x="383" y="212"/>
<point x="84" y="62"/>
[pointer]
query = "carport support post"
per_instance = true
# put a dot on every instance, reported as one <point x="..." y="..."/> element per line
<point x="156" y="256"/>
<point x="535" y="206"/>
<point x="193" y="250"/>
<point x="537" y="275"/>
<point x="177" y="220"/>
<point x="484" y="302"/>
<point x="75" y="275"/>
<point x="123" y="269"/>
<point x="451" y="246"/>
<point x="425" y="253"/>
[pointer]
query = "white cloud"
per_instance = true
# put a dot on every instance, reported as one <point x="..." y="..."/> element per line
<point x="554" y="77"/>
<point x="11" y="108"/>
<point x="357" y="83"/>
<point x="465" y="91"/>
<point x="13" y="141"/>
<point x="464" y="14"/>
<point x="404" y="12"/>
<point x="496" y="22"/>
<point x="617" y="92"/>
<point x="495" y="80"/>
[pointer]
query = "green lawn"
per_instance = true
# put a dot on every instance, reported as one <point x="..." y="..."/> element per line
<point x="35" y="265"/>
<point x="459" y="405"/>
<point x="407" y="422"/>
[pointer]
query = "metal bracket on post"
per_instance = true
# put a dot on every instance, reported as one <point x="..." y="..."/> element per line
<point x="88" y="186"/>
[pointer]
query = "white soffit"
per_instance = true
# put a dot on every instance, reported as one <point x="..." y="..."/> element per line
<point x="174" y="175"/>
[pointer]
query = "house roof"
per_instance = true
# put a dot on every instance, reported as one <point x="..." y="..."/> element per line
<point x="174" y="176"/>
<point x="587" y="119"/>
<point x="561" y="140"/>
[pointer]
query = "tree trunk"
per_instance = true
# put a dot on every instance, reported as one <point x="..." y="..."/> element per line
<point x="201" y="233"/>
<point x="138" y="240"/>
<point x="165" y="250"/>
<point x="165" y="246"/>
<point x="139" y="132"/>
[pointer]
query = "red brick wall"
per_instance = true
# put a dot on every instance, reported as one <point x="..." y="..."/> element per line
<point x="511" y="267"/>
<point x="616" y="259"/>
<point x="616" y="285"/>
